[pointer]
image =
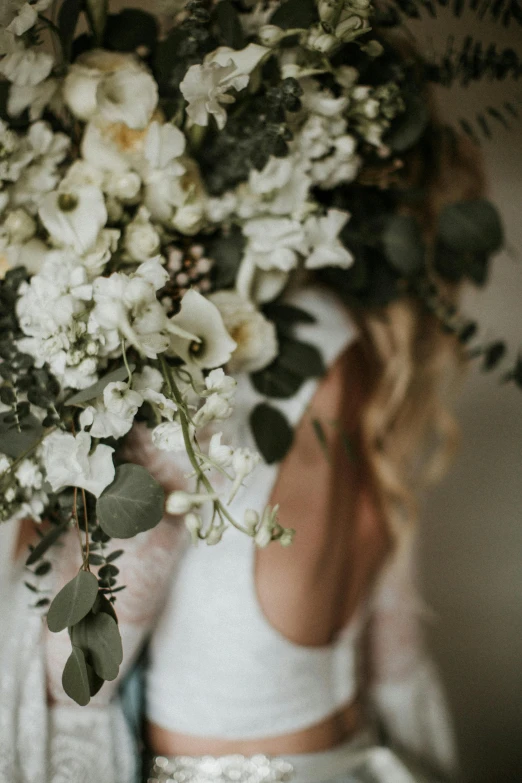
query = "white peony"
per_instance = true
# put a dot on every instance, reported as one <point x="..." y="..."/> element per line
<point x="255" y="336"/>
<point x="68" y="462"/>
<point x="323" y="236"/>
<point x="211" y="345"/>
<point x="74" y="217"/>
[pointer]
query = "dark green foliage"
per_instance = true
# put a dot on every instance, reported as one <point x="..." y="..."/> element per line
<point x="230" y="25"/>
<point x="130" y="505"/>
<point x="227" y="252"/>
<point x="254" y="131"/>
<point x="403" y="245"/>
<point x="68" y="18"/>
<point x="131" y="29"/>
<point x="73" y="602"/>
<point x="272" y="432"/>
<point x="295" y="363"/>
<point x="295" y="14"/>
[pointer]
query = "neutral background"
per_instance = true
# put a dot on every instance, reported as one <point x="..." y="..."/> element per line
<point x="472" y="526"/>
<point x="471" y="549"/>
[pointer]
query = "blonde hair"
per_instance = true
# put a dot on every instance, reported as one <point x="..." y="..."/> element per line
<point x="407" y="432"/>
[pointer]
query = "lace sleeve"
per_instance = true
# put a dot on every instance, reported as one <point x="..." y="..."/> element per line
<point x="405" y="688"/>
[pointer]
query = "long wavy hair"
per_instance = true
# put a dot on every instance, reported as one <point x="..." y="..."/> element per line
<point x="407" y="432"/>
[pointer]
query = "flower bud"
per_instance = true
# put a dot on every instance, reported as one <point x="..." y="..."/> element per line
<point x="181" y="502"/>
<point x="345" y="30"/>
<point x="329" y="9"/>
<point x="322" y="42"/>
<point x="215" y="534"/>
<point x="141" y="239"/>
<point x="193" y="525"/>
<point x="271" y="35"/>
<point x="20" y="226"/>
<point x="251" y="520"/>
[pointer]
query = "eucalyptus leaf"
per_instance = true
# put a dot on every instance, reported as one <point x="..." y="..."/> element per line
<point x="14" y="441"/>
<point x="99" y="638"/>
<point x="302" y="359"/>
<point x="230" y="25"/>
<point x="471" y="226"/>
<point x="74" y="601"/>
<point x="272" y="432"/>
<point x="295" y="14"/>
<point x="275" y="381"/>
<point x="97" y="14"/>
<point x="68" y="17"/>
<point x="409" y="126"/>
<point x="227" y="252"/>
<point x="283" y="313"/>
<point x="403" y="244"/>
<point x="75" y="678"/>
<point x="133" y="503"/>
<point x="96" y="390"/>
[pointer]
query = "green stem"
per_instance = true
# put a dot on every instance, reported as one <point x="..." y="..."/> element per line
<point x="184" y="419"/>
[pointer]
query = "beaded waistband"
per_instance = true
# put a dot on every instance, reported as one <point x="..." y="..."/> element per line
<point x="220" y="769"/>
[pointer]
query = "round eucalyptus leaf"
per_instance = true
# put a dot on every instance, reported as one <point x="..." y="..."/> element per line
<point x="98" y="636"/>
<point x="471" y="226"/>
<point x="73" y="602"/>
<point x="409" y="126"/>
<point x="272" y="432"/>
<point x="295" y="14"/>
<point x="403" y="244"/>
<point x="133" y="503"/>
<point x="75" y="678"/>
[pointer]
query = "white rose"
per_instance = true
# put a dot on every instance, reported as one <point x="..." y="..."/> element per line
<point x="255" y="336"/>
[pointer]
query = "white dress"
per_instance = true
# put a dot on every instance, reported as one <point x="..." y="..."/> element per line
<point x="63" y="742"/>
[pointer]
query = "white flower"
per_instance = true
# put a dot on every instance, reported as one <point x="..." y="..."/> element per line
<point x="255" y="336"/>
<point x="281" y="188"/>
<point x="164" y="145"/>
<point x="193" y="523"/>
<point x="124" y="186"/>
<point x="35" y="98"/>
<point x="111" y="87"/>
<point x="219" y="383"/>
<point x="274" y="243"/>
<point x="141" y="240"/>
<point x="19" y="226"/>
<point x="18" y="16"/>
<point x="180" y="502"/>
<point x="168" y="436"/>
<point x="149" y="379"/>
<point x="216" y="407"/>
<point x="243" y="463"/>
<point x="29" y="475"/>
<point x="26" y="67"/>
<point x="205" y="87"/>
<point x="68" y="463"/>
<point x="212" y="346"/>
<point x="218" y="452"/>
<point x="113" y="417"/>
<point x="74" y="217"/>
<point x="323" y="235"/>
<point x="166" y="407"/>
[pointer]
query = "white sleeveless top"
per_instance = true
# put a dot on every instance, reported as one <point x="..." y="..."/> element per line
<point x="217" y="667"/>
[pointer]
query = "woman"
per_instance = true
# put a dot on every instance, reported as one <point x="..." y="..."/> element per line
<point x="278" y="653"/>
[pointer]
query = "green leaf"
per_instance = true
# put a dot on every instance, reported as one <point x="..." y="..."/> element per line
<point x="75" y="678"/>
<point x="96" y="390"/>
<point x="97" y="14"/>
<point x="102" y="604"/>
<point x="409" y="126"/>
<point x="47" y="541"/>
<point x="230" y="25"/>
<point x="295" y="14"/>
<point x="130" y="29"/>
<point x="99" y="638"/>
<point x="227" y="252"/>
<point x="272" y="432"/>
<point x="471" y="226"/>
<point x="14" y="441"/>
<point x="275" y="381"/>
<point x="133" y="503"/>
<point x="73" y="602"/>
<point x="280" y="312"/>
<point x="68" y="17"/>
<point x="403" y="244"/>
<point x="302" y="359"/>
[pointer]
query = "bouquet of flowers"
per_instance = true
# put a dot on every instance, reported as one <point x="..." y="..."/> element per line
<point x="158" y="191"/>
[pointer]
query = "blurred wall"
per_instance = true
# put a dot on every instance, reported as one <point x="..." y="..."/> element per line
<point x="472" y="528"/>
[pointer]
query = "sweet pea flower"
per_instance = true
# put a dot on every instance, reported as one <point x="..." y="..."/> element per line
<point x="113" y="417"/>
<point x="68" y="462"/>
<point x="218" y="452"/>
<point x="326" y="247"/>
<point x="243" y="463"/>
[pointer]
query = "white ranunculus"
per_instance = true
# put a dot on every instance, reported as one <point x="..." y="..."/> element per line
<point x="205" y="87"/>
<point x="255" y="336"/>
<point x="129" y="96"/>
<point x="27" y="67"/>
<point x="323" y="236"/>
<point x="68" y="463"/>
<point x="141" y="240"/>
<point x="274" y="243"/>
<point x="111" y="87"/>
<point x="212" y="346"/>
<point x="74" y="218"/>
<point x="168" y="436"/>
